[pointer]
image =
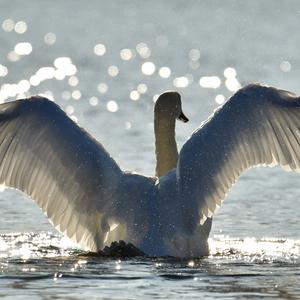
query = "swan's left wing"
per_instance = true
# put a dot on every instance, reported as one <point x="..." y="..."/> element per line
<point x="257" y="126"/>
<point x="61" y="167"/>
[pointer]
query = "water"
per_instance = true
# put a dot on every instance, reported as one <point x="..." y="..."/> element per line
<point x="255" y="240"/>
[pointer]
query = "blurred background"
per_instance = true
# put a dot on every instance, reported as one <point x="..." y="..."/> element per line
<point x="105" y="63"/>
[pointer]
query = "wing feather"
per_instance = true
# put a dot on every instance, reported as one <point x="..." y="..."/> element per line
<point x="258" y="126"/>
<point x="70" y="176"/>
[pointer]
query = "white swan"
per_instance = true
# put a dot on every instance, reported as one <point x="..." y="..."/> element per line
<point x="89" y="198"/>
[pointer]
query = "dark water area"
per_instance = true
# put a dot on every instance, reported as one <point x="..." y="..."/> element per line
<point x="45" y="266"/>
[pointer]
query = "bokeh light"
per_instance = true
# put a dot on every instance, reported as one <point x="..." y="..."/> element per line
<point x="143" y="50"/>
<point x="93" y="101"/>
<point x="126" y="54"/>
<point x="102" y="88"/>
<point x="213" y="82"/>
<point x="148" y="68"/>
<point x="20" y="27"/>
<point x="142" y="88"/>
<point x="285" y="66"/>
<point x="3" y="71"/>
<point x="8" y="25"/>
<point x="112" y="106"/>
<point x="181" y="82"/>
<point x="50" y="38"/>
<point x="134" y="95"/>
<point x="220" y="99"/>
<point x="164" y="72"/>
<point x="99" y="49"/>
<point x="23" y="48"/>
<point x="113" y="71"/>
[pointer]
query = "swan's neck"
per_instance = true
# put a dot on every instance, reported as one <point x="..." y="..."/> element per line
<point x="165" y="144"/>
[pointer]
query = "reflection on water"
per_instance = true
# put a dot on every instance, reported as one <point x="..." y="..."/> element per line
<point x="256" y="268"/>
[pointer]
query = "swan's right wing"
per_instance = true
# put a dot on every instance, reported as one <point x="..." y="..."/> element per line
<point x="60" y="166"/>
<point x="257" y="126"/>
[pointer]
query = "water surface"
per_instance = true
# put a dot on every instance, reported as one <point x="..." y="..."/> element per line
<point x="117" y="57"/>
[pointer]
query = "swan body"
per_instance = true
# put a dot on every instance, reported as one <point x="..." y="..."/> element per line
<point x="90" y="199"/>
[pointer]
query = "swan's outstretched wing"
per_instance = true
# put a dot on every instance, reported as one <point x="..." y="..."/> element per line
<point x="257" y="126"/>
<point x="70" y="176"/>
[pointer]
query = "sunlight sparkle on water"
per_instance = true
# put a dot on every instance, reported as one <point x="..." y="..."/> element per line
<point x="148" y="68"/>
<point x="126" y="54"/>
<point x="64" y="67"/>
<point x="93" y="101"/>
<point x="143" y="50"/>
<point x="212" y="82"/>
<point x="220" y="99"/>
<point x="20" y="27"/>
<point x="24" y="48"/>
<point x="76" y="95"/>
<point x="50" y="38"/>
<point x="99" y="49"/>
<point x="285" y="66"/>
<point x="164" y="72"/>
<point x="134" y="95"/>
<point x="229" y="72"/>
<point x="3" y="71"/>
<point x="112" y="106"/>
<point x="113" y="71"/>
<point x="13" y="56"/>
<point x="73" y="81"/>
<point x="181" y="82"/>
<point x="142" y="88"/>
<point x="8" y="25"/>
<point x="102" y="88"/>
<point x="267" y="248"/>
<point x="70" y="110"/>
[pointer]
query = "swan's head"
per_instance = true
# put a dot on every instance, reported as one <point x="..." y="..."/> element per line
<point x="168" y="104"/>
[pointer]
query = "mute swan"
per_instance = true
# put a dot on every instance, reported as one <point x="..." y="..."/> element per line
<point x="89" y="198"/>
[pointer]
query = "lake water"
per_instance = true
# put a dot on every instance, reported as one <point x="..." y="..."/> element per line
<point x="118" y="56"/>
